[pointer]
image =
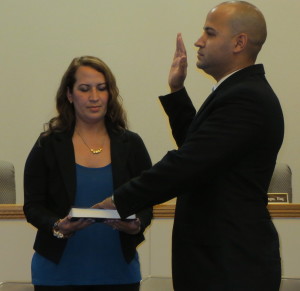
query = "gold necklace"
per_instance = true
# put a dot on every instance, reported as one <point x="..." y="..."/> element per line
<point x="96" y="151"/>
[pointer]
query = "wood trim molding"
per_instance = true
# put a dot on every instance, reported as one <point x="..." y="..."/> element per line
<point x="292" y="210"/>
<point x="284" y="210"/>
<point x="276" y="210"/>
<point x="11" y="211"/>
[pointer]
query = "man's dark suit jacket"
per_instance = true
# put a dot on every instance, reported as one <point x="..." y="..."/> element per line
<point x="50" y="186"/>
<point x="223" y="237"/>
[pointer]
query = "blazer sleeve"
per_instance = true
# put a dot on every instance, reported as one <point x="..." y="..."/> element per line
<point x="36" y="206"/>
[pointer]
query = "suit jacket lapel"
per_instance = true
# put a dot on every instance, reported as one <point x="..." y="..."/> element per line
<point x="206" y="103"/>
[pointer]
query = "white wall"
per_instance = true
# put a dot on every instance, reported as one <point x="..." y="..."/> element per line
<point x="136" y="38"/>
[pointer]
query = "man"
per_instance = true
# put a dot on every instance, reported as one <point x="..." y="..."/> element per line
<point x="223" y="237"/>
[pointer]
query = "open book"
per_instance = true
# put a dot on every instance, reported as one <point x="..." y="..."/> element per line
<point x="97" y="214"/>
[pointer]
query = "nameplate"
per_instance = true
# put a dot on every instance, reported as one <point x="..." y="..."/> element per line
<point x="278" y="198"/>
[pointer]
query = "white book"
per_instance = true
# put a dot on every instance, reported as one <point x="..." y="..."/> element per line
<point x="97" y="214"/>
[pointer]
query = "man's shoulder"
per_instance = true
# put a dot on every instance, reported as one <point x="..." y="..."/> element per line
<point x="249" y="72"/>
<point x="252" y="76"/>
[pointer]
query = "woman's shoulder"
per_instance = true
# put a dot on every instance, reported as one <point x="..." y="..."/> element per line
<point x="130" y="135"/>
<point x="45" y="138"/>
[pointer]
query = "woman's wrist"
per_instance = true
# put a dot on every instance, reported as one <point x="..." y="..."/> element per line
<point x="55" y="229"/>
<point x="57" y="233"/>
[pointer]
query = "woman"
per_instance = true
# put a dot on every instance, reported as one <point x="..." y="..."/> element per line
<point x="85" y="153"/>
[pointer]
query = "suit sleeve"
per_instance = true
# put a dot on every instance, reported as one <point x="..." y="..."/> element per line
<point x="232" y="127"/>
<point x="181" y="112"/>
<point x="140" y="161"/>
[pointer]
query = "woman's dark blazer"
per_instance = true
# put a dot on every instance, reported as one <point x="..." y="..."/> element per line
<point x="223" y="237"/>
<point x="50" y="186"/>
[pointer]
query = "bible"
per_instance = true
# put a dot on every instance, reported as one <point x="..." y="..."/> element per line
<point x="99" y="215"/>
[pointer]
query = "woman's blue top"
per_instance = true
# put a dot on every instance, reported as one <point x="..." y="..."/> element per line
<point x="93" y="256"/>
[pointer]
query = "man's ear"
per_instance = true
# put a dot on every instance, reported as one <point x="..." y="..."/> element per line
<point x="241" y="41"/>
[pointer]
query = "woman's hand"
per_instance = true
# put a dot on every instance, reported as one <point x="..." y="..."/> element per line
<point x="67" y="227"/>
<point x="130" y="227"/>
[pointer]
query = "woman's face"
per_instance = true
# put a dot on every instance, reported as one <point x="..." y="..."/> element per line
<point x="90" y="95"/>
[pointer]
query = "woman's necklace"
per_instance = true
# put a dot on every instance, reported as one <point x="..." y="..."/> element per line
<point x="96" y="151"/>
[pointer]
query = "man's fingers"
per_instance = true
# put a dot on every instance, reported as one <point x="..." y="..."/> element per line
<point x="180" y="47"/>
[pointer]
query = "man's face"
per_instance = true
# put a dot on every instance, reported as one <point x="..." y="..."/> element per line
<point x="216" y="44"/>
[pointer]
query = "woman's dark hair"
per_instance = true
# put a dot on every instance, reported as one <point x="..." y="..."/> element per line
<point x="65" y="119"/>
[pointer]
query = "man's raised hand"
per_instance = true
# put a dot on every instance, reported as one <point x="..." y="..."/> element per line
<point x="178" y="69"/>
